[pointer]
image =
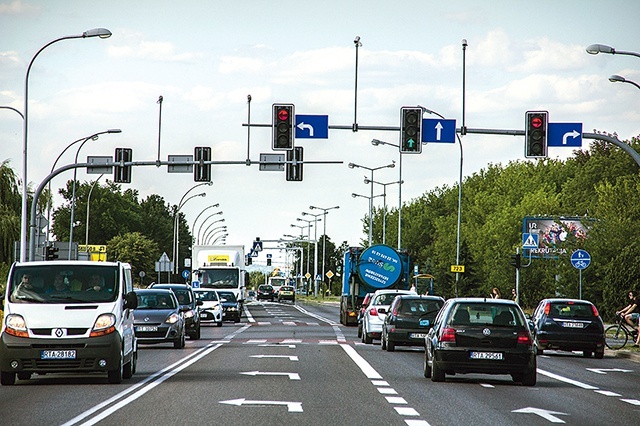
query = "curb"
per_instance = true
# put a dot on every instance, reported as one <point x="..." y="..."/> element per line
<point x="623" y="353"/>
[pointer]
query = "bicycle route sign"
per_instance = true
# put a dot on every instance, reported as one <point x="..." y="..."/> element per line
<point x="580" y="259"/>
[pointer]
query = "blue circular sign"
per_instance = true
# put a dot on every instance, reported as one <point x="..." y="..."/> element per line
<point x="580" y="259"/>
<point x="380" y="266"/>
<point x="185" y="274"/>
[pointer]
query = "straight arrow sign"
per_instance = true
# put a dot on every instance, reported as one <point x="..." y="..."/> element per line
<point x="292" y="407"/>
<point x="292" y="376"/>
<point x="291" y="357"/>
<point x="545" y="414"/>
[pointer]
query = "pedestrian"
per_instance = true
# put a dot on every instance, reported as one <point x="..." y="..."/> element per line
<point x="514" y="295"/>
<point x="495" y="293"/>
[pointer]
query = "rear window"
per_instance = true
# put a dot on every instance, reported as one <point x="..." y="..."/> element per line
<point x="485" y="314"/>
<point x="385" y="298"/>
<point x="571" y="310"/>
<point x="206" y="296"/>
<point x="419" y="307"/>
<point x="156" y="301"/>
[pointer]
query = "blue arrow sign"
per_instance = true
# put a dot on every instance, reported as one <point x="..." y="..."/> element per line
<point x="438" y="130"/>
<point x="312" y="126"/>
<point x="565" y="134"/>
<point x="580" y="259"/>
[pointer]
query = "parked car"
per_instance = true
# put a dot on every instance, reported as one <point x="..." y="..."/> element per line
<point x="231" y="309"/>
<point x="266" y="292"/>
<point x="287" y="292"/>
<point x="363" y="307"/>
<point x="375" y="313"/>
<point x="189" y="305"/>
<point x="211" y="309"/>
<point x="158" y="317"/>
<point x="408" y="320"/>
<point x="478" y="335"/>
<point x="569" y="325"/>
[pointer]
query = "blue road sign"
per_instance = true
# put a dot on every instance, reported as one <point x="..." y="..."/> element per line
<point x="580" y="259"/>
<point x="257" y="246"/>
<point x="565" y="134"/>
<point x="185" y="274"/>
<point x="529" y="241"/>
<point x="438" y="130"/>
<point x="312" y="126"/>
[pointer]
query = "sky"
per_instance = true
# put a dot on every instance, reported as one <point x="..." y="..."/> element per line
<point x="205" y="57"/>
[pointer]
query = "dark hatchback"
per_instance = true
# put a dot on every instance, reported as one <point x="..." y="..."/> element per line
<point x="189" y="305"/>
<point x="409" y="319"/>
<point x="158" y="318"/>
<point x="266" y="292"/>
<point x="231" y="309"/>
<point x="477" y="335"/>
<point x="569" y="325"/>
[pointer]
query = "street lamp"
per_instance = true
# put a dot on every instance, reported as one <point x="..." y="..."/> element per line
<point x="384" y="205"/>
<point x="376" y="142"/>
<point x="222" y="238"/>
<point x="620" y="79"/>
<point x="324" y="231"/>
<point x="75" y="174"/>
<point x="96" y="32"/>
<point x="594" y="49"/>
<point x="315" y="250"/>
<point x="309" y="225"/>
<point x="214" y="231"/>
<point x="207" y="228"/>
<point x="176" y="228"/>
<point x="193" y="225"/>
<point x="390" y="166"/>
<point x="86" y="233"/>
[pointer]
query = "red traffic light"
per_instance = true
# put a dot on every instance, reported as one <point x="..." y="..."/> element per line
<point x="283" y="114"/>
<point x="536" y="122"/>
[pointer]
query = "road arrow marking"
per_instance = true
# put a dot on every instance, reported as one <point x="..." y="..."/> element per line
<point x="277" y="345"/>
<point x="573" y="134"/>
<point x="302" y="126"/>
<point x="545" y="414"/>
<point x="439" y="128"/>
<point x="292" y="376"/>
<point x="608" y="370"/>
<point x="291" y="357"/>
<point x="293" y="407"/>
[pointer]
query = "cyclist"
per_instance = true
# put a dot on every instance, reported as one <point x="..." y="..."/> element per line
<point x="631" y="313"/>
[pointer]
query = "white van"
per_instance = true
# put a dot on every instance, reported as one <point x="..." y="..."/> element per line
<point x="68" y="316"/>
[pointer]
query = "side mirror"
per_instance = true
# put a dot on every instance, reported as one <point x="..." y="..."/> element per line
<point x="130" y="300"/>
<point x="199" y="303"/>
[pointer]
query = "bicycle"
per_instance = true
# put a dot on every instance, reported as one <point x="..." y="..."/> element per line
<point x="617" y="335"/>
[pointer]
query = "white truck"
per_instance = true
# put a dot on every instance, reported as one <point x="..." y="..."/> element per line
<point x="220" y="268"/>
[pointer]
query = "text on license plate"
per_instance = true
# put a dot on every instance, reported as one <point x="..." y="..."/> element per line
<point x="417" y="335"/>
<point x="147" y="328"/>
<point x="573" y="324"/>
<point x="58" y="354"/>
<point x="486" y="355"/>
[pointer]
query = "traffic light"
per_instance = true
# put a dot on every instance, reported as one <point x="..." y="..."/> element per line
<point x="51" y="253"/>
<point x="122" y="174"/>
<point x="411" y="130"/>
<point x="249" y="260"/>
<point x="294" y="172"/>
<point x="202" y="172"/>
<point x="268" y="261"/>
<point x="535" y="139"/>
<point x="515" y="260"/>
<point x="282" y="128"/>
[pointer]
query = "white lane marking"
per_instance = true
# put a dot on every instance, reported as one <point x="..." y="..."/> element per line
<point x="567" y="380"/>
<point x="292" y="376"/>
<point x="292" y="407"/>
<point x="396" y="400"/>
<point x="607" y="393"/>
<point x="406" y="411"/>
<point x="387" y="391"/>
<point x="290" y="357"/>
<point x="366" y="368"/>
<point x="380" y="383"/>
<point x="631" y="401"/>
<point x="412" y="422"/>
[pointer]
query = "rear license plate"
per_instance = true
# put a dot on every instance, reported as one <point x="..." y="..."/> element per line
<point x="573" y="324"/>
<point x="417" y="335"/>
<point x="68" y="354"/>
<point x="424" y="323"/>
<point x="486" y="355"/>
<point x="147" y="328"/>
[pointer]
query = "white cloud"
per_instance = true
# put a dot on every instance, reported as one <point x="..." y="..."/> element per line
<point x="134" y="47"/>
<point x="17" y="7"/>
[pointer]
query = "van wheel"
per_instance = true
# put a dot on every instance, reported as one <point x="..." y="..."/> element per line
<point x="115" y="375"/>
<point x="130" y="367"/>
<point x="7" y="378"/>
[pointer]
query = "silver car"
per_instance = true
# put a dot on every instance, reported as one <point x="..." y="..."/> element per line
<point x="376" y="312"/>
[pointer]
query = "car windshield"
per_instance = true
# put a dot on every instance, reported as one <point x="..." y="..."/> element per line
<point x="206" y="296"/>
<point x="265" y="288"/>
<point x="286" y="288"/>
<point x="219" y="278"/>
<point x="184" y="296"/>
<point x="485" y="314"/>
<point x="384" y="299"/>
<point x="229" y="296"/>
<point x="63" y="283"/>
<point x="156" y="301"/>
<point x="571" y="310"/>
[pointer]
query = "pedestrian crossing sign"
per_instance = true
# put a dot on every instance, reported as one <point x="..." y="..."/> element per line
<point x="529" y="241"/>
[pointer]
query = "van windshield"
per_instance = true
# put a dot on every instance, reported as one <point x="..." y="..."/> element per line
<point x="63" y="283"/>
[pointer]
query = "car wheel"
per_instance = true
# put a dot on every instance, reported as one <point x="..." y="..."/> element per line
<point x="599" y="354"/>
<point x="196" y="335"/>
<point x="437" y="375"/>
<point x="390" y="345"/>
<point x="180" y="343"/>
<point x="7" y="378"/>
<point x="426" y="367"/>
<point x="360" y="330"/>
<point x="383" y="341"/>
<point x="530" y="377"/>
<point x="366" y="338"/>
<point x="219" y="323"/>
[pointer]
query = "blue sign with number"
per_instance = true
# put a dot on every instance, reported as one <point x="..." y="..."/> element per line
<point x="438" y="130"/>
<point x="565" y="134"/>
<point x="580" y="259"/>
<point x="312" y="126"/>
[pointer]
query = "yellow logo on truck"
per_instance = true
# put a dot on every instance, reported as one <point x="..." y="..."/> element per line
<point x="218" y="258"/>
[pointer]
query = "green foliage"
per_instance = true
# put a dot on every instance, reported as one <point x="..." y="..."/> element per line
<point x="136" y="249"/>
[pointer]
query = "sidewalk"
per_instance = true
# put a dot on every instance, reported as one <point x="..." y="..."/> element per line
<point x="633" y="355"/>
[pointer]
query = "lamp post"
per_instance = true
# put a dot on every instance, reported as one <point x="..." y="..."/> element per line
<point x="200" y="233"/>
<point x="75" y="174"/>
<point x="214" y="231"/>
<point x="86" y="233"/>
<point x="384" y="205"/>
<point x="620" y="79"/>
<point x="315" y="251"/>
<point x="96" y="32"/>
<point x="594" y="49"/>
<point x="309" y="225"/>
<point x="376" y="142"/>
<point x="324" y="231"/>
<point x="390" y="166"/>
<point x="222" y="238"/>
<point x="176" y="230"/>
<point x="193" y="225"/>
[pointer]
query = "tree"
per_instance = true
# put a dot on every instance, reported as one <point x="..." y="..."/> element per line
<point x="10" y="210"/>
<point x="135" y="249"/>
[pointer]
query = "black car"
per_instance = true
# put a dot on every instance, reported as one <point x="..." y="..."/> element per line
<point x="231" y="309"/>
<point x="189" y="304"/>
<point x="158" y="318"/>
<point x="569" y="325"/>
<point x="266" y="292"/>
<point x="409" y="319"/>
<point x="477" y="335"/>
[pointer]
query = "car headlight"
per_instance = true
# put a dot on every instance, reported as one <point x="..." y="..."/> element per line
<point x="189" y="314"/>
<point x="105" y="324"/>
<point x="172" y="319"/>
<point x="16" y="326"/>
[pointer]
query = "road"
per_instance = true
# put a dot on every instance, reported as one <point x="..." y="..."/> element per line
<point x="295" y="365"/>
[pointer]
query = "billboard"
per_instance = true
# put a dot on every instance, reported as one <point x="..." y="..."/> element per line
<point x="556" y="235"/>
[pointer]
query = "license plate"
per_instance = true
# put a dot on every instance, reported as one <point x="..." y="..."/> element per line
<point x="417" y="335"/>
<point x="68" y="354"/>
<point x="486" y="355"/>
<point x="424" y="323"/>
<point x="203" y="315"/>
<point x="573" y="324"/>
<point x="147" y="328"/>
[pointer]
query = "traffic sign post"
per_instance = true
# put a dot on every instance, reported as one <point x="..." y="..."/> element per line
<point x="580" y="259"/>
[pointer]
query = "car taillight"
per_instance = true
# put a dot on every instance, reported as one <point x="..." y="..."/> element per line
<point x="524" y="338"/>
<point x="448" y="335"/>
<point x="373" y="312"/>
<point x="547" y="309"/>
<point x="595" y="311"/>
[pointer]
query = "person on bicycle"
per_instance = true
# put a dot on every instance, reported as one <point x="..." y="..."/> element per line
<point x="631" y="313"/>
